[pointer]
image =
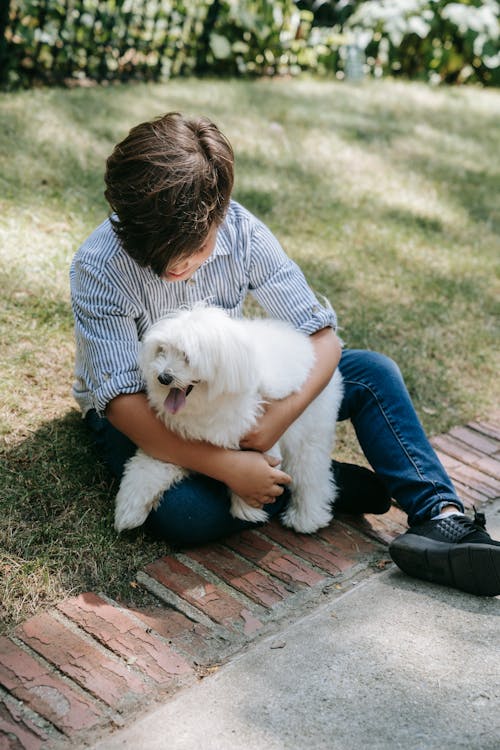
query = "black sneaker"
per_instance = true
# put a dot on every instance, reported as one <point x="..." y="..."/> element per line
<point x="454" y="551"/>
<point x="359" y="490"/>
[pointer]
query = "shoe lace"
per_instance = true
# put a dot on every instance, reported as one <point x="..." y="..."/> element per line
<point x="479" y="521"/>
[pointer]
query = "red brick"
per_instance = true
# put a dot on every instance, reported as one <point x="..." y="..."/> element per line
<point x="487" y="428"/>
<point x="14" y="737"/>
<point x="239" y="574"/>
<point x="124" y="636"/>
<point x="270" y="557"/>
<point x="192" y="638"/>
<point x="488" y="465"/>
<point x="200" y="593"/>
<point x="469" y="495"/>
<point x="108" y="679"/>
<point x="43" y="692"/>
<point x="346" y="542"/>
<point x="308" y="547"/>
<point x="167" y="622"/>
<point x="456" y="449"/>
<point x="448" y="462"/>
<point x="16" y="731"/>
<point x="475" y="440"/>
<point x="384" y="528"/>
<point x="467" y="455"/>
<point x="475" y="479"/>
<point x="468" y="487"/>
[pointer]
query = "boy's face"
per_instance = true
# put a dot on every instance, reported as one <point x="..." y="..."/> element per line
<point x="183" y="269"/>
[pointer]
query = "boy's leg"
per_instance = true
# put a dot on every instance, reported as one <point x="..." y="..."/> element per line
<point x="195" y="511"/>
<point x="454" y="550"/>
<point x="390" y="434"/>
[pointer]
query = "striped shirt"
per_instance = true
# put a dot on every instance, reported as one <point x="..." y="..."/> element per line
<point x="115" y="300"/>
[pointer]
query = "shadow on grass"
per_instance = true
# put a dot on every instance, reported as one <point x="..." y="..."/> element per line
<point x="371" y="121"/>
<point x="56" y="525"/>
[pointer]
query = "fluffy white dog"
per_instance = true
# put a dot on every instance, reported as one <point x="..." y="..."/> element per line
<point x="207" y="377"/>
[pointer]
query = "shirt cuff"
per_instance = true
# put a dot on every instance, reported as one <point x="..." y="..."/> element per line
<point x="320" y="318"/>
<point x="116" y="386"/>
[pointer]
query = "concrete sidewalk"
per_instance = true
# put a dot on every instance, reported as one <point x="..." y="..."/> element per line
<point x="393" y="663"/>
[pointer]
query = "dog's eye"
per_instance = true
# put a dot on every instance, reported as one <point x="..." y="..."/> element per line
<point x="186" y="358"/>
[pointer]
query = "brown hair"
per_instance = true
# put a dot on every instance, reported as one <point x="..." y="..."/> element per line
<point x="168" y="182"/>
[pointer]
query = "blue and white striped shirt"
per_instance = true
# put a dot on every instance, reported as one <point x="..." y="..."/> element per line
<point x="115" y="300"/>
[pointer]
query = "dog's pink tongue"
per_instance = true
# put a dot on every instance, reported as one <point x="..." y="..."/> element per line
<point x="175" y="400"/>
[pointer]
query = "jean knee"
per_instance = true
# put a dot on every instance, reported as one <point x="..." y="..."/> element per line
<point x="173" y="523"/>
<point x="193" y="512"/>
<point x="364" y="366"/>
<point x="383" y="365"/>
<point x="368" y="377"/>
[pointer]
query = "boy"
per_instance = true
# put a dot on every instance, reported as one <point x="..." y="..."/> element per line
<point x="175" y="237"/>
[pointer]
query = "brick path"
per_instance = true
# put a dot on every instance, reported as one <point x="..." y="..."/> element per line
<point x="89" y="664"/>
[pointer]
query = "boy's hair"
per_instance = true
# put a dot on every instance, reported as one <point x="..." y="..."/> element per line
<point x="168" y="182"/>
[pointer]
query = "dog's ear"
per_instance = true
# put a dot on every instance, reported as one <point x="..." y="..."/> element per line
<point x="148" y="348"/>
<point x="146" y="353"/>
<point x="225" y="361"/>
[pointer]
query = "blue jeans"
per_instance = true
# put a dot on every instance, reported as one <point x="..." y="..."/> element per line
<point x="388" y="430"/>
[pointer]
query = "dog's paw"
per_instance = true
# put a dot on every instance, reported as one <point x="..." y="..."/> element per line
<point x="130" y="512"/>
<point x="303" y="522"/>
<point x="240" y="509"/>
<point x="143" y="483"/>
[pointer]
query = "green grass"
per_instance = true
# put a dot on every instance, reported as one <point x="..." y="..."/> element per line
<point x="385" y="193"/>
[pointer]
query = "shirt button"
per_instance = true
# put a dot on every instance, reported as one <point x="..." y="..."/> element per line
<point x="191" y="282"/>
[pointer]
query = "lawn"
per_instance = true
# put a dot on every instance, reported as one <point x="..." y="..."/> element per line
<point x="387" y="195"/>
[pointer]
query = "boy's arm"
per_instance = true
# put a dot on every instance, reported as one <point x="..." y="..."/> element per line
<point x="279" y="415"/>
<point x="250" y="474"/>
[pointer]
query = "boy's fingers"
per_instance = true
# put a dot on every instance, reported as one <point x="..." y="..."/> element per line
<point x="283" y="478"/>
<point x="259" y="502"/>
<point x="272" y="460"/>
<point x="277" y="490"/>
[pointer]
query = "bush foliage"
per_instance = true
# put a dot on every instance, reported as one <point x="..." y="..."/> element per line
<point x="50" y="41"/>
<point x="431" y="39"/>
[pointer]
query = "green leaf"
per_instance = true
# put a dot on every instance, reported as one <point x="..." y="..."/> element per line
<point x="220" y="46"/>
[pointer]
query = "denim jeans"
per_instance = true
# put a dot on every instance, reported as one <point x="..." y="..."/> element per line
<point x="388" y="430"/>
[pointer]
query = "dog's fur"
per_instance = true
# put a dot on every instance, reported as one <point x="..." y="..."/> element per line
<point x="218" y="372"/>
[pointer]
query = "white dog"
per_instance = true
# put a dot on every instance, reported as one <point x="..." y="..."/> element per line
<point x="207" y="377"/>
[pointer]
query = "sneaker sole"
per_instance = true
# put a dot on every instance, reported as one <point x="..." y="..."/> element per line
<point x="474" y="568"/>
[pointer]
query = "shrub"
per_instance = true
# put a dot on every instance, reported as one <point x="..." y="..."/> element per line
<point x="49" y="41"/>
<point x="434" y="40"/>
<point x="259" y="37"/>
<point x="52" y="42"/>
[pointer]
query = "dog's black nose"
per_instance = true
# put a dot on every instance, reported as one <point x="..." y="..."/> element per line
<point x="165" y="378"/>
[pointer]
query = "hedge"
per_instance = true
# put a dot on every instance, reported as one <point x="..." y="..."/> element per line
<point x="54" y="42"/>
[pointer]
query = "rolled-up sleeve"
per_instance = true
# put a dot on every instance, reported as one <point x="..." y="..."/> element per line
<point x="106" y="336"/>
<point x="279" y="285"/>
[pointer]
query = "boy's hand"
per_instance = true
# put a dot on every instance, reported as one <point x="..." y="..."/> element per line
<point x="255" y="479"/>
<point x="277" y="417"/>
